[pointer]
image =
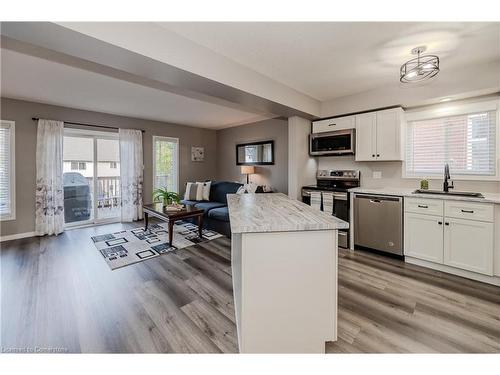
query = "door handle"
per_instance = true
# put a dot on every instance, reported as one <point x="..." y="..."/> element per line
<point x="468" y="211"/>
<point x="374" y="201"/>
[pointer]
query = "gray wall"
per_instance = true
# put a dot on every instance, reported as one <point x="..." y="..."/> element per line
<point x="275" y="175"/>
<point x="22" y="111"/>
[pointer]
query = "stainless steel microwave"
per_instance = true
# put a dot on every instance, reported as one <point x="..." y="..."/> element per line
<point x="339" y="142"/>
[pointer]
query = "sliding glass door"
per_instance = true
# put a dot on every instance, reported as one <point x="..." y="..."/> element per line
<point x="108" y="178"/>
<point x="91" y="179"/>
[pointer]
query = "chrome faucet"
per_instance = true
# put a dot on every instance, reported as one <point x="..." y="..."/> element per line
<point x="446" y="185"/>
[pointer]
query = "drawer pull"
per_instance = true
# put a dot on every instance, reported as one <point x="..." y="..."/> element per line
<point x="423" y="206"/>
<point x="468" y="211"/>
<point x="332" y="124"/>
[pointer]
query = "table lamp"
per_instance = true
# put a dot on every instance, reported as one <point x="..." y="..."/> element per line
<point x="248" y="170"/>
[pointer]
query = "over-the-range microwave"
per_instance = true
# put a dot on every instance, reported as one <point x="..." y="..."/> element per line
<point x="339" y="142"/>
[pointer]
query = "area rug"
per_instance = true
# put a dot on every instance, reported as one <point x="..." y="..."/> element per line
<point x="127" y="247"/>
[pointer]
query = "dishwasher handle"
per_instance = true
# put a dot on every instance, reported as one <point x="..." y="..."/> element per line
<point x="378" y="198"/>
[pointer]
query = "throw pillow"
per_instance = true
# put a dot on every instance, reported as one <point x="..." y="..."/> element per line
<point x="194" y="191"/>
<point x="206" y="189"/>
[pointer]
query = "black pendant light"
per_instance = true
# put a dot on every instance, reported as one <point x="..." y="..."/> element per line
<point x="420" y="68"/>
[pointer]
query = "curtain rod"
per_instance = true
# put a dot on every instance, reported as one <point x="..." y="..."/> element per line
<point x="83" y="124"/>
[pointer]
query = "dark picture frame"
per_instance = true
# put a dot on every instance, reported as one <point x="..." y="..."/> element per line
<point x="271" y="142"/>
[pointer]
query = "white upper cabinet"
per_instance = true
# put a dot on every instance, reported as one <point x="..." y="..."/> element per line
<point x="366" y="140"/>
<point x="329" y="125"/>
<point x="380" y="135"/>
<point x="389" y="134"/>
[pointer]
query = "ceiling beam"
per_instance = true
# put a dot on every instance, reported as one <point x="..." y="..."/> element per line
<point x="60" y="44"/>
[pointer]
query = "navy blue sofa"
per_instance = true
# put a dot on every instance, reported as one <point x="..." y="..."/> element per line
<point x="216" y="216"/>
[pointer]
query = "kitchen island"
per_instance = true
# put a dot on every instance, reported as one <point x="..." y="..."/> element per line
<point x="284" y="265"/>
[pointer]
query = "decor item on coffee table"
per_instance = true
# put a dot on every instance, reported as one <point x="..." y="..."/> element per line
<point x="165" y="196"/>
<point x="126" y="247"/>
<point x="159" y="211"/>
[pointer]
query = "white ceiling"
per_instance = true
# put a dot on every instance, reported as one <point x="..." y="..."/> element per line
<point x="334" y="59"/>
<point x="31" y="78"/>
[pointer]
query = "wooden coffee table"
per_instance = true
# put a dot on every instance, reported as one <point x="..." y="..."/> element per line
<point x="157" y="210"/>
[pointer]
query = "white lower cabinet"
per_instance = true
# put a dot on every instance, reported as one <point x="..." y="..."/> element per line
<point x="424" y="237"/>
<point x="458" y="234"/>
<point x="468" y="245"/>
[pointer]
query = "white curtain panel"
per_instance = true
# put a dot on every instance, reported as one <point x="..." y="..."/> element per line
<point x="131" y="174"/>
<point x="49" y="213"/>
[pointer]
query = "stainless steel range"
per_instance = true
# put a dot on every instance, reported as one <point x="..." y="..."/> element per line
<point x="335" y="184"/>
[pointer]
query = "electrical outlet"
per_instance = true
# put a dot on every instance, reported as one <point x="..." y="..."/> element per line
<point x="377" y="174"/>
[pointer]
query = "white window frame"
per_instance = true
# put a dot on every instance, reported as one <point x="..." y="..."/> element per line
<point x="167" y="139"/>
<point x="455" y="109"/>
<point x="12" y="214"/>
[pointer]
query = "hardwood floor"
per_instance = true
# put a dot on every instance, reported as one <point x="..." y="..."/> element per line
<point x="58" y="294"/>
<point x="388" y="306"/>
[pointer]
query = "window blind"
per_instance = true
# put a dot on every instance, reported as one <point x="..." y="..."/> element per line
<point x="6" y="203"/>
<point x="466" y="142"/>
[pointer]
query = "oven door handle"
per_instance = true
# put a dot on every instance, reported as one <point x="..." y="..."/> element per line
<point x="336" y="196"/>
<point x="340" y="197"/>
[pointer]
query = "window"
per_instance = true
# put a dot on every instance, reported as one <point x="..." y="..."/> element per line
<point x="113" y="165"/>
<point x="7" y="171"/>
<point x="166" y="163"/>
<point x="78" y="166"/>
<point x="465" y="141"/>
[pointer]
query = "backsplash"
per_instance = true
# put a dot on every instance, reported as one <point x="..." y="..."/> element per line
<point x="392" y="172"/>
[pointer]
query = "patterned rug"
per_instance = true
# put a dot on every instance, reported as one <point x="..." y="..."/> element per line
<point x="127" y="247"/>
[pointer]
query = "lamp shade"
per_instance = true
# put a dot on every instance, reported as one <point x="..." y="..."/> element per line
<point x="247" y="169"/>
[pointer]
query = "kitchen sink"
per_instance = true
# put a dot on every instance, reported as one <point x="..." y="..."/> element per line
<point x="451" y="193"/>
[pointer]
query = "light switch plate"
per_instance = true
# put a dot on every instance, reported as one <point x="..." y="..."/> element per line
<point x="377" y="174"/>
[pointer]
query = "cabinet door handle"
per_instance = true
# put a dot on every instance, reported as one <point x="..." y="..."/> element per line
<point x="468" y="211"/>
<point x="440" y="222"/>
<point x="446" y="223"/>
<point x="423" y="206"/>
<point x="373" y="155"/>
<point x="378" y="155"/>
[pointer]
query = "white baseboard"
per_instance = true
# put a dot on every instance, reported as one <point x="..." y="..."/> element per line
<point x="494" y="280"/>
<point x="17" y="236"/>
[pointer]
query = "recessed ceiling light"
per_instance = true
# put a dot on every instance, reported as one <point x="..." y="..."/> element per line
<point x="445" y="100"/>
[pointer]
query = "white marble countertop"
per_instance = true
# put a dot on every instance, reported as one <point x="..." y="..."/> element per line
<point x="276" y="212"/>
<point x="408" y="192"/>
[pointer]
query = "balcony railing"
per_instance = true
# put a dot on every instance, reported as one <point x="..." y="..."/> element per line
<point x="108" y="196"/>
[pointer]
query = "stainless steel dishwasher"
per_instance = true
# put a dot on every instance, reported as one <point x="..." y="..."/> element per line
<point x="378" y="222"/>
